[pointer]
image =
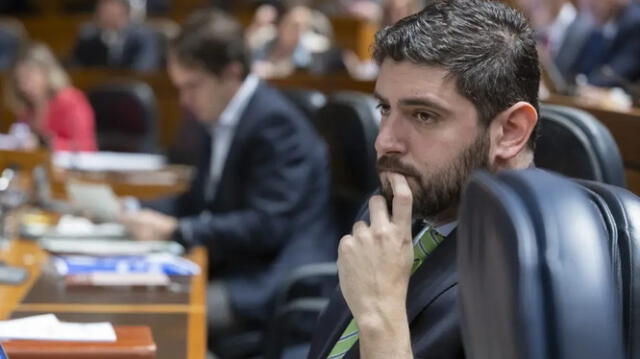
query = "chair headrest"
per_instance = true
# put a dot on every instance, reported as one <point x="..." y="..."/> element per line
<point x="535" y="276"/>
<point x="576" y="144"/>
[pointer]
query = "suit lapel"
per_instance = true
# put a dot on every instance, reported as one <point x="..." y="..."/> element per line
<point x="432" y="278"/>
<point x="334" y="322"/>
<point x="572" y="45"/>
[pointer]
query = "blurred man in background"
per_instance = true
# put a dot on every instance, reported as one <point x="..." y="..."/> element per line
<point x="260" y="199"/>
<point x="114" y="40"/>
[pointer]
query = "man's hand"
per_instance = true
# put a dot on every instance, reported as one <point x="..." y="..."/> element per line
<point x="148" y="225"/>
<point x="374" y="266"/>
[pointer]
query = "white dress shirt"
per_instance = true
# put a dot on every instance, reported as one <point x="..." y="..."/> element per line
<point x="224" y="129"/>
<point x="557" y="31"/>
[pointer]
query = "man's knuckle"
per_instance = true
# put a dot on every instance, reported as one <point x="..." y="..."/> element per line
<point x="380" y="232"/>
<point x="359" y="227"/>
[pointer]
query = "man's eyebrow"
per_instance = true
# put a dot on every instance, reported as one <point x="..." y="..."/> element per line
<point x="415" y="101"/>
<point x="423" y="101"/>
<point x="379" y="97"/>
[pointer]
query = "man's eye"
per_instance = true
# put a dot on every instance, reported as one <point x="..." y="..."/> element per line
<point x="423" y="116"/>
<point x="384" y="109"/>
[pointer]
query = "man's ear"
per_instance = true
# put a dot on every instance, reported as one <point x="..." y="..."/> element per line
<point x="233" y="71"/>
<point x="510" y="131"/>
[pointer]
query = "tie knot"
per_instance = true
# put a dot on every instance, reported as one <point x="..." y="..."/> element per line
<point x="427" y="242"/>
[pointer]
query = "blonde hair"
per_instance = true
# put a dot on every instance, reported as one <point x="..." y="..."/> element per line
<point x="38" y="54"/>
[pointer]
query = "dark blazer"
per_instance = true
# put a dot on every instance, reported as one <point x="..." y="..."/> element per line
<point x="432" y="309"/>
<point x="9" y="43"/>
<point x="141" y="49"/>
<point x="570" y="50"/>
<point x="271" y="212"/>
<point x="621" y="53"/>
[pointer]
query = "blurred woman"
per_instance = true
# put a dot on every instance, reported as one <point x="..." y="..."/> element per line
<point x="304" y="41"/>
<point x="39" y="93"/>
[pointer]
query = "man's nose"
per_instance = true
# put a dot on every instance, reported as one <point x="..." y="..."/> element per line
<point x="390" y="138"/>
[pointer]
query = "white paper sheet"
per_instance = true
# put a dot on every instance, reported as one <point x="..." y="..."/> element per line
<point x="48" y="327"/>
<point x="108" y="161"/>
<point x="94" y="199"/>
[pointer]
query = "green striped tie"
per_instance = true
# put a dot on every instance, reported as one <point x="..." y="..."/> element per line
<point x="429" y="240"/>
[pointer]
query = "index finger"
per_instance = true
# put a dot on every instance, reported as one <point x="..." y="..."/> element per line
<point x="402" y="200"/>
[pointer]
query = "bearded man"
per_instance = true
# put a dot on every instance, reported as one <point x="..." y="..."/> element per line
<point x="457" y="91"/>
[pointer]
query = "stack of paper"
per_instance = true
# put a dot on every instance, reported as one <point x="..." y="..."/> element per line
<point x="109" y="161"/>
<point x="107" y="247"/>
<point x="48" y="327"/>
<point x="153" y="263"/>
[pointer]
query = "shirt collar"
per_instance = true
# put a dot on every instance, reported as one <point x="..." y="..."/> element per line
<point x="443" y="229"/>
<point x="446" y="229"/>
<point x="231" y="114"/>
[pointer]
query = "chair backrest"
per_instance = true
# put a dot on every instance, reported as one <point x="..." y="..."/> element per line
<point x="576" y="144"/>
<point x="306" y="100"/>
<point x="126" y="116"/>
<point x="535" y="274"/>
<point x="623" y="209"/>
<point x="349" y="124"/>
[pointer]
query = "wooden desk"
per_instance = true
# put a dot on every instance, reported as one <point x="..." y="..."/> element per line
<point x="146" y="185"/>
<point x="177" y="315"/>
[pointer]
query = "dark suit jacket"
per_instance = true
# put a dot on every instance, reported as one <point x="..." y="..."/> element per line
<point x="570" y="50"/>
<point x="141" y="49"/>
<point x="621" y="54"/>
<point x="8" y="48"/>
<point x="271" y="212"/>
<point x="432" y="309"/>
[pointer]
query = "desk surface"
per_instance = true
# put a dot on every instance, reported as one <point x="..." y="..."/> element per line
<point x="176" y="315"/>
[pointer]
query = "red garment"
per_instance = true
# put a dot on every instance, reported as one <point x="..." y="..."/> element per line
<point x="70" y="122"/>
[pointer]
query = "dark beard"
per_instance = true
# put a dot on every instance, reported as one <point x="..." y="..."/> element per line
<point x="438" y="192"/>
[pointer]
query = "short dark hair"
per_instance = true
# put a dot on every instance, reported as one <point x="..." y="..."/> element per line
<point x="211" y="40"/>
<point x="487" y="47"/>
<point x="124" y="3"/>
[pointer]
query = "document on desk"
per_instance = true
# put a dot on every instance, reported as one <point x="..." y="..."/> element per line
<point x="96" y="200"/>
<point x="108" y="161"/>
<point x="107" y="246"/>
<point x="48" y="327"/>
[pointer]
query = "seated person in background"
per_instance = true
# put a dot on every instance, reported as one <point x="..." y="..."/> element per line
<point x="39" y="93"/>
<point x="458" y="92"/>
<point x="390" y="12"/>
<point x="611" y="53"/>
<point x="114" y="40"/>
<point x="260" y="199"/>
<point x="304" y="41"/>
<point x="262" y="28"/>
<point x="560" y="33"/>
<point x="552" y="21"/>
<point x="9" y="44"/>
<point x="610" y="56"/>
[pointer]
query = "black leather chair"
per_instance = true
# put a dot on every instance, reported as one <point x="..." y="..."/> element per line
<point x="301" y="298"/>
<point x="622" y="209"/>
<point x="306" y="100"/>
<point x="126" y="116"/>
<point x="535" y="272"/>
<point x="349" y="124"/>
<point x="576" y="144"/>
